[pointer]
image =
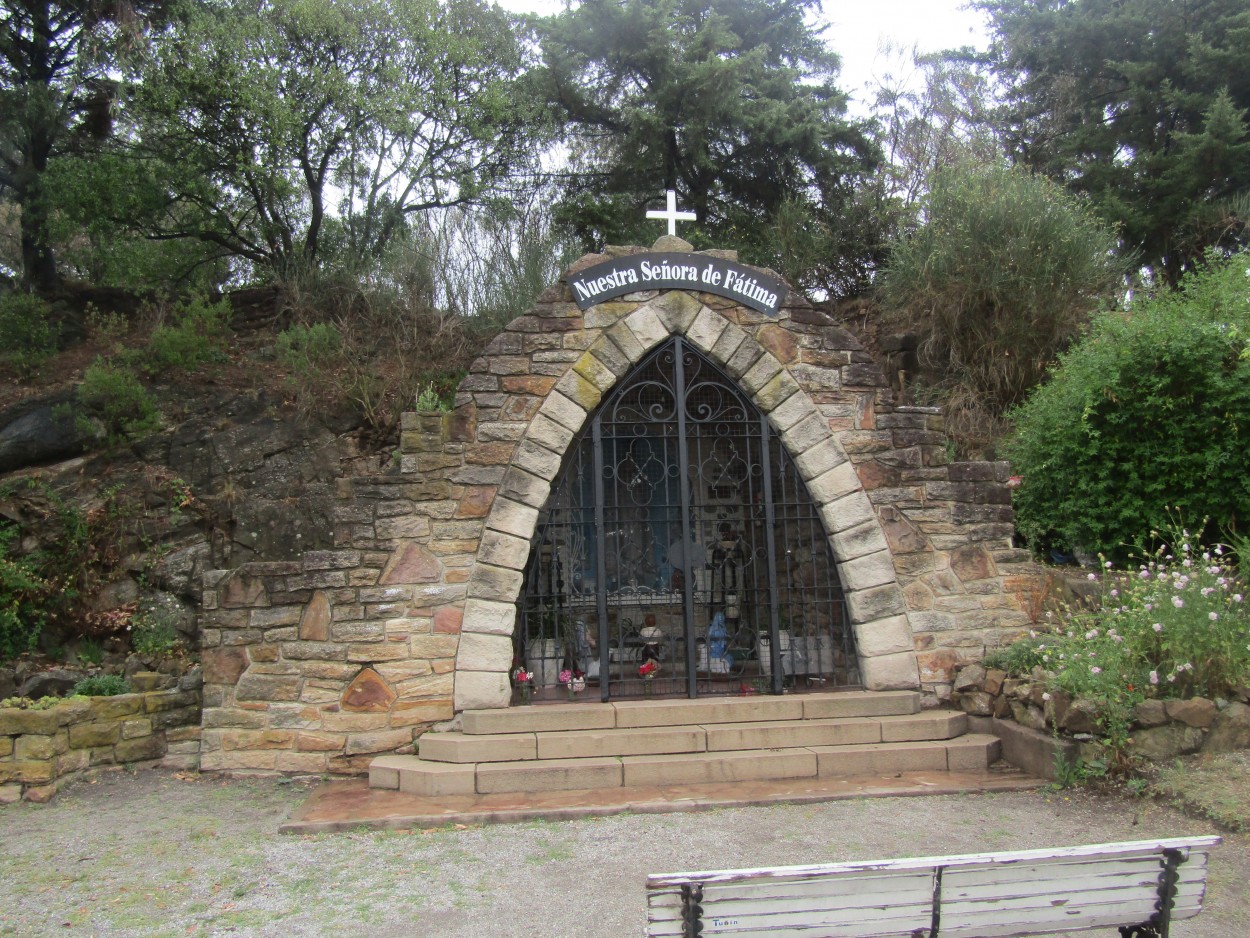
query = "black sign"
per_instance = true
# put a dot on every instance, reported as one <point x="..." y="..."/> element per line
<point x="664" y="271"/>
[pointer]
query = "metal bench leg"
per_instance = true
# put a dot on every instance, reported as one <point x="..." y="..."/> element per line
<point x="692" y="910"/>
<point x="1161" y="922"/>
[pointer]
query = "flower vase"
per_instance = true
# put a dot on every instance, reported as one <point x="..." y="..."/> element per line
<point x="527" y="693"/>
<point x="572" y="693"/>
<point x="646" y="686"/>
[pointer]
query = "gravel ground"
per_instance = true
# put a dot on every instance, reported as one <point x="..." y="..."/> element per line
<point x="156" y="854"/>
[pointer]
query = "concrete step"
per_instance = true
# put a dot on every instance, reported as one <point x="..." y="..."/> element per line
<point x="715" y="737"/>
<point x="968" y="753"/>
<point x="678" y="712"/>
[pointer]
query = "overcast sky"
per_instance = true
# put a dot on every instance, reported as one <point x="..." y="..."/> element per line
<point x="858" y="28"/>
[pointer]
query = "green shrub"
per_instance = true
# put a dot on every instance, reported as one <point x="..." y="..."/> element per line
<point x="1149" y="412"/>
<point x="196" y="337"/>
<point x="112" y="396"/>
<point x="90" y="651"/>
<point x="101" y="685"/>
<point x="1017" y="659"/>
<point x="301" y="348"/>
<point x="1005" y="271"/>
<point x="27" y="336"/>
<point x="153" y="635"/>
<point x="22" y="595"/>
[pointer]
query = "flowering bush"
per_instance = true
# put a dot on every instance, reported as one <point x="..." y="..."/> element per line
<point x="1177" y="625"/>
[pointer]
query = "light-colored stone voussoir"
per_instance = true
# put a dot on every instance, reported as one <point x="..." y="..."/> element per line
<point x="885" y="637"/>
<point x="482" y="690"/>
<point x="888" y="672"/>
<point x="488" y="617"/>
<point x="481" y="652"/>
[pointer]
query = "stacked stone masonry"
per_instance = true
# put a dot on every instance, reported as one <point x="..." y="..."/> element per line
<point x="320" y="664"/>
<point x="42" y="750"/>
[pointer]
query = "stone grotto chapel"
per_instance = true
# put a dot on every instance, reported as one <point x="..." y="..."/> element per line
<point x="675" y="480"/>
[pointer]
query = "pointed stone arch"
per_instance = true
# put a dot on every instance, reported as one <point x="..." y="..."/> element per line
<point x="875" y="602"/>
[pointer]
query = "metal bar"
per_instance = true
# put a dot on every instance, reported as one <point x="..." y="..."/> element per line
<point x="601" y="567"/>
<point x="1172" y="858"/>
<point x="770" y="528"/>
<point x="691" y="910"/>
<point x="683" y="481"/>
<point x="936" y="921"/>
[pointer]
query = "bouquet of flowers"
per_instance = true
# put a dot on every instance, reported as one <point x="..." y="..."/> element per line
<point x="524" y="680"/>
<point x="575" y="681"/>
<point x="648" y="669"/>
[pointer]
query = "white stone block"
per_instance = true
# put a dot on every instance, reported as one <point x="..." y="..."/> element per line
<point x="886" y="636"/>
<point x="564" y="411"/>
<point x="479" y="652"/>
<point x="820" y="458"/>
<point x="830" y="486"/>
<point x="706" y="329"/>
<point x="862" y="539"/>
<point x="482" y="690"/>
<point x="513" y="518"/>
<point x="889" y="672"/>
<point x="488" y="617"/>
<point x="866" y="572"/>
<point x="846" y="512"/>
<point x="647" y="327"/>
<point x="808" y="432"/>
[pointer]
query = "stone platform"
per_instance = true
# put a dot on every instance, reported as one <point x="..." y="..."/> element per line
<point x="351" y="805"/>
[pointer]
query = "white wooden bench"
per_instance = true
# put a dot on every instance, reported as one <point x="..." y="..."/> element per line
<point x="1140" y="887"/>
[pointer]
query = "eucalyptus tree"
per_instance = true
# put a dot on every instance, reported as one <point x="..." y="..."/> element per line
<point x="308" y="132"/>
<point x="732" y="103"/>
<point x="1142" y="104"/>
<point x="59" y="70"/>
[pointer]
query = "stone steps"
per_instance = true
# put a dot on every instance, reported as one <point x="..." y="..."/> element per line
<point x="680" y="742"/>
<point x="712" y="737"/>
<point x="414" y="775"/>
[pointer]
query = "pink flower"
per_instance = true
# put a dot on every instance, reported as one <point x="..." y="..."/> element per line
<point x="1095" y="670"/>
<point x="1158" y="626"/>
<point x="565" y="676"/>
<point x="1178" y="602"/>
<point x="1154" y="677"/>
<point x="1213" y="616"/>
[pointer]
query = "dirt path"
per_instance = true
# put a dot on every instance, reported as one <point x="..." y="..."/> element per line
<point x="150" y="854"/>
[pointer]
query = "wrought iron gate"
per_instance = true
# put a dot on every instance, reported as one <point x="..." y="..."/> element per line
<point x="680" y="552"/>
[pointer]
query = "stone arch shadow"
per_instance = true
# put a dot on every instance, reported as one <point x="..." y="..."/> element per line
<point x="875" y="602"/>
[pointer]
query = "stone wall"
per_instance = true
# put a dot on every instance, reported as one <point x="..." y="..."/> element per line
<point x="319" y="663"/>
<point x="42" y="750"/>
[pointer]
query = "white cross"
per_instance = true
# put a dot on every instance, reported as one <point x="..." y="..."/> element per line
<point x="672" y="215"/>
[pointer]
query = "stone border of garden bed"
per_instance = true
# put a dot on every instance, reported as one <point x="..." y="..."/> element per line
<point x="1161" y="730"/>
<point x="41" y="751"/>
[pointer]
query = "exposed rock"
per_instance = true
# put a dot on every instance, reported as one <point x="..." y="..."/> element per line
<point x="994" y="679"/>
<point x="1230" y="730"/>
<point x="113" y="595"/>
<point x="1161" y="743"/>
<point x="1151" y="713"/>
<point x="969" y="678"/>
<point x="977" y="703"/>
<point x="193" y="679"/>
<point x="1081" y="717"/>
<point x="55" y="683"/>
<point x="8" y="683"/>
<point x="1028" y="715"/>
<point x="1197" y="711"/>
<point x="36" y="433"/>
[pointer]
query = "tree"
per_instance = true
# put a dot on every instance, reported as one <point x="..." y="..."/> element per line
<point x="732" y="103"/>
<point x="1003" y="273"/>
<point x="304" y="128"/>
<point x="57" y="90"/>
<point x="1141" y="104"/>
